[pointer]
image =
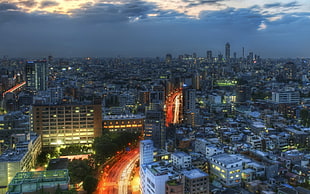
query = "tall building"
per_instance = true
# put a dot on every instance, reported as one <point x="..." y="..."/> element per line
<point x="168" y="58"/>
<point x="209" y="56"/>
<point x="66" y="124"/>
<point x="155" y="127"/>
<point x="227" y="51"/>
<point x="146" y="151"/>
<point x="36" y="75"/>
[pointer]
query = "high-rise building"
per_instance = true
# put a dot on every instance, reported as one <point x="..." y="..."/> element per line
<point x="36" y="75"/>
<point x="209" y="56"/>
<point x="227" y="51"/>
<point x="168" y="58"/>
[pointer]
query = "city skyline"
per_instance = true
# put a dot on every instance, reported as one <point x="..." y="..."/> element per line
<point x="149" y="28"/>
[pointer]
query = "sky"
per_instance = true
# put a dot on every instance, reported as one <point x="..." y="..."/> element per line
<point x="151" y="28"/>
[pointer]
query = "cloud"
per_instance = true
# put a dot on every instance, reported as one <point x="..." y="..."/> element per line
<point x="45" y="4"/>
<point x="29" y="3"/>
<point x="194" y="3"/>
<point x="7" y="6"/>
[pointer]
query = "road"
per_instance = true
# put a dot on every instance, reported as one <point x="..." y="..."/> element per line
<point x="115" y="179"/>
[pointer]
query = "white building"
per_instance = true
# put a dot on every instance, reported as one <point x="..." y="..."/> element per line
<point x="181" y="160"/>
<point x="146" y="151"/>
<point x="212" y="150"/>
<point x="227" y="168"/>
<point x="286" y="97"/>
<point x="153" y="177"/>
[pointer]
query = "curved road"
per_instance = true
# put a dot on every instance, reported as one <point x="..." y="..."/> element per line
<point x="115" y="179"/>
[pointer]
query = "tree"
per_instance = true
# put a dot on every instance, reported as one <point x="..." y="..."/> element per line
<point x="90" y="184"/>
<point x="78" y="170"/>
<point x="305" y="117"/>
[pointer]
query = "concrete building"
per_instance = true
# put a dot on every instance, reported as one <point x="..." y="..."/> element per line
<point x="20" y="159"/>
<point x="66" y="124"/>
<point x="181" y="160"/>
<point x="40" y="182"/>
<point x="195" y="181"/>
<point x="129" y="123"/>
<point x="286" y="97"/>
<point x="153" y="177"/>
<point x="146" y="151"/>
<point x="227" y="168"/>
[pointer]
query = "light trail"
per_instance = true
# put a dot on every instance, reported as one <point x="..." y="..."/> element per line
<point x="173" y="107"/>
<point x="14" y="88"/>
<point x="177" y="105"/>
<point x="124" y="181"/>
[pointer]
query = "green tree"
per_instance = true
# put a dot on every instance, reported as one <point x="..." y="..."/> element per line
<point x="78" y="170"/>
<point x="90" y="184"/>
<point x="305" y="117"/>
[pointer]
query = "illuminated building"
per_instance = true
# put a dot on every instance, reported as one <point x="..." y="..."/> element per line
<point x="36" y="75"/>
<point x="129" y="123"/>
<point x="40" y="181"/>
<point x="154" y="128"/>
<point x="195" y="181"/>
<point x="227" y="168"/>
<point x="66" y="124"/>
<point x="20" y="159"/>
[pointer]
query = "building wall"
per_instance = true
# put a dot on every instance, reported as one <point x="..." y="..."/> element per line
<point x="67" y="124"/>
<point x="123" y="123"/>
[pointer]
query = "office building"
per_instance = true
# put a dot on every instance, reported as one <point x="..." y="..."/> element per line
<point x="66" y="124"/>
<point x="227" y="51"/>
<point x="146" y="151"/>
<point x="128" y="123"/>
<point x="209" y="56"/>
<point x="36" y="75"/>
<point x="227" y="168"/>
<point x="21" y="158"/>
<point x="286" y="97"/>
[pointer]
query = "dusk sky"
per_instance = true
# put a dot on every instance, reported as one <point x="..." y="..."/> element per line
<point x="138" y="28"/>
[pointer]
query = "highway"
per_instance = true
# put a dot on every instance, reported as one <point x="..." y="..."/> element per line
<point x="115" y="179"/>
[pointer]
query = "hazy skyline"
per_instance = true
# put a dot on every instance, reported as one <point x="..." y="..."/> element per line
<point x="139" y="28"/>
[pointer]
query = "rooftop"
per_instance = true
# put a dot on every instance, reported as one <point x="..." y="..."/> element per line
<point x="194" y="173"/>
<point x="226" y="158"/>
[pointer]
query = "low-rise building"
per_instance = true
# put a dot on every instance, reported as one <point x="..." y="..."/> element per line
<point x="227" y="168"/>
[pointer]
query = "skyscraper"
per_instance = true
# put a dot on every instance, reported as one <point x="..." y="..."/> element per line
<point x="209" y="56"/>
<point x="227" y="51"/>
<point x="36" y="75"/>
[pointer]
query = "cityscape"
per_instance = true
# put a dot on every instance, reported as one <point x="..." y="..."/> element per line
<point x="154" y="97"/>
